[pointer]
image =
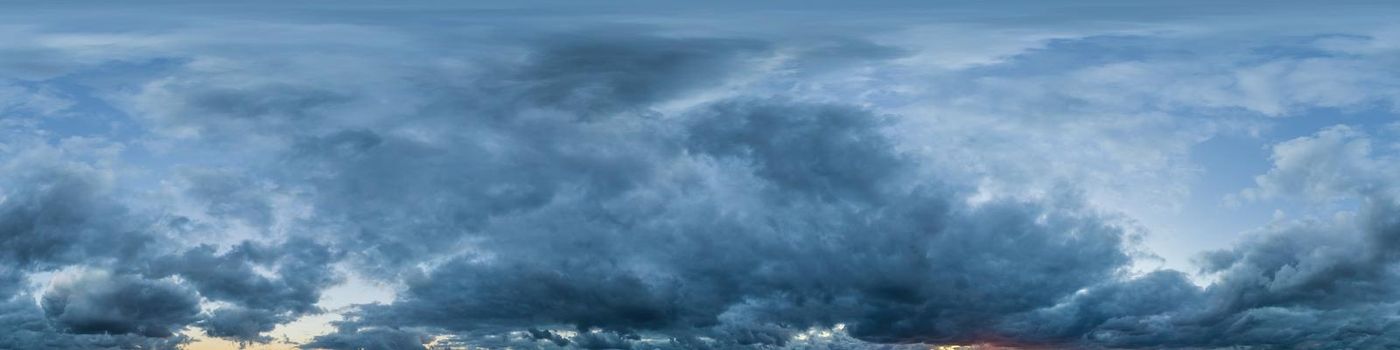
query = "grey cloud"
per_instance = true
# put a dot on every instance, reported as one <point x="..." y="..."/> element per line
<point x="58" y="214"/>
<point x="522" y="295"/>
<point x="760" y="217"/>
<point x="226" y="194"/>
<point x="546" y="200"/>
<point x="826" y="225"/>
<point x="55" y="213"/>
<point x="242" y="324"/>
<point x="1292" y="285"/>
<point x="269" y="102"/>
<point x="826" y="150"/>
<point x="27" y="328"/>
<point x="370" y="339"/>
<point x="301" y="270"/>
<point x="401" y="196"/>
<point x="231" y="277"/>
<point x="774" y="216"/>
<point x="97" y="302"/>
<point x="600" y="73"/>
<point x="217" y="108"/>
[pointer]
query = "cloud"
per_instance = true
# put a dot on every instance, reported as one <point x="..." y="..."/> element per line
<point x="226" y="194"/>
<point x="604" y="73"/>
<point x="28" y="328"/>
<point x="793" y="215"/>
<point x="60" y="213"/>
<point x="775" y="215"/>
<point x="244" y="325"/>
<point x="547" y="183"/>
<point x="21" y="100"/>
<point x="370" y="339"/>
<point x="96" y="302"/>
<point x="1337" y="161"/>
<point x="1291" y="284"/>
<point x="258" y="301"/>
<point x="55" y="212"/>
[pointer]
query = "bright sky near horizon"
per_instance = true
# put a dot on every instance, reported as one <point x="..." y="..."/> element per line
<point x="671" y="175"/>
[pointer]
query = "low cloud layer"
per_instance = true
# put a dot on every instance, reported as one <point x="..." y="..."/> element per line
<point x="583" y="182"/>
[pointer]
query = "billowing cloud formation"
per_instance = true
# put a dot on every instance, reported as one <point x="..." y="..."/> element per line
<point x="58" y="214"/>
<point x="27" y="327"/>
<point x="302" y="269"/>
<point x="98" y="303"/>
<point x="543" y="181"/>
<point x="772" y="213"/>
<point x="743" y="222"/>
<point x="64" y="214"/>
<point x="1305" y="283"/>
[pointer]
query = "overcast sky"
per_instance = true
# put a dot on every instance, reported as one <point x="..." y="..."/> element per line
<point x="678" y="175"/>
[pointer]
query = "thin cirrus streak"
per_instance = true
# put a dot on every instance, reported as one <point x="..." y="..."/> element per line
<point x="669" y="175"/>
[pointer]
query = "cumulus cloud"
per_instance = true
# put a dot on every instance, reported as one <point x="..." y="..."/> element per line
<point x="27" y="327"/>
<point x="299" y="270"/>
<point x="99" y="303"/>
<point x="747" y="220"/>
<point x="774" y="216"/>
<point x="1301" y="283"/>
<point x="554" y="183"/>
<point x="1336" y="162"/>
<point x="56" y="214"/>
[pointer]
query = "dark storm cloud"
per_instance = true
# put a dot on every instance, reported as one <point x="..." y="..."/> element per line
<point x="738" y="223"/>
<point x="101" y="303"/>
<point x="242" y="324"/>
<point x="1108" y="306"/>
<point x="300" y="270"/>
<point x="1298" y="286"/>
<point x="825" y="150"/>
<point x="56" y="213"/>
<point x="512" y="140"/>
<point x="59" y="214"/>
<point x="26" y="327"/>
<point x="231" y="276"/>
<point x="1302" y="284"/>
<point x="773" y="213"/>
<point x="773" y="216"/>
<point x="609" y="190"/>
<point x="397" y="200"/>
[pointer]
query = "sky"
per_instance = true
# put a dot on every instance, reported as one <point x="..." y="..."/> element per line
<point x="683" y="175"/>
